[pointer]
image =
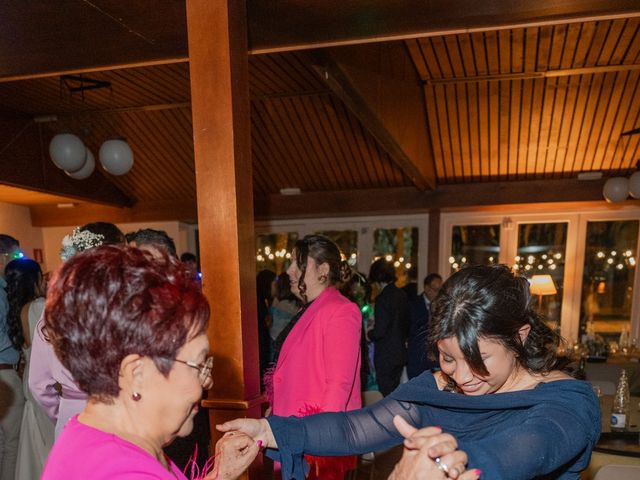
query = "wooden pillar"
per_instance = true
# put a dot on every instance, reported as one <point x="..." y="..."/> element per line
<point x="433" y="257"/>
<point x="221" y="133"/>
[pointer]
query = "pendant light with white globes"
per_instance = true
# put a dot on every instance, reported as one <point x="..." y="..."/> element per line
<point x="116" y="156"/>
<point x="67" y="152"/>
<point x="86" y="170"/>
<point x="617" y="189"/>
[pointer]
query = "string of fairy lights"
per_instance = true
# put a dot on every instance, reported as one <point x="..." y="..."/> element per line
<point x="270" y="254"/>
<point x="549" y="261"/>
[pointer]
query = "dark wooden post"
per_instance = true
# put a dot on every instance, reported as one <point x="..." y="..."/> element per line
<point x="221" y="133"/>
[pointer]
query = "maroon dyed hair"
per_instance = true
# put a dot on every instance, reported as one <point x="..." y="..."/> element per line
<point x="112" y="301"/>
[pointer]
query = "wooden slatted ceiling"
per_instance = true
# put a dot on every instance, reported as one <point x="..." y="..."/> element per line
<point x="531" y="127"/>
<point x="302" y="135"/>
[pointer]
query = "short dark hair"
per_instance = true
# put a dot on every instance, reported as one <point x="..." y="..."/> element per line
<point x="431" y="277"/>
<point x="8" y="243"/>
<point x="382" y="271"/>
<point x="155" y="238"/>
<point x="188" y="257"/>
<point x="112" y="301"/>
<point x="283" y="288"/>
<point x="111" y="235"/>
<point x="490" y="302"/>
<point x="323" y="250"/>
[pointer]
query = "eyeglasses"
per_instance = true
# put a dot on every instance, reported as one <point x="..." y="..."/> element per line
<point x="205" y="370"/>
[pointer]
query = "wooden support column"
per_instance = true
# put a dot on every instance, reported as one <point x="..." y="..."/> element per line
<point x="221" y="131"/>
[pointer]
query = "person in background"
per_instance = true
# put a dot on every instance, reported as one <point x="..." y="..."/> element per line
<point x="357" y="290"/>
<point x="264" y="280"/>
<point x="500" y="392"/>
<point x="411" y="287"/>
<point x="317" y="358"/>
<point x="51" y="384"/>
<point x="391" y="327"/>
<point x="284" y="306"/>
<point x="155" y="241"/>
<point x="420" y="355"/>
<point x="11" y="392"/>
<point x="25" y="292"/>
<point x="190" y="263"/>
<point x="131" y="329"/>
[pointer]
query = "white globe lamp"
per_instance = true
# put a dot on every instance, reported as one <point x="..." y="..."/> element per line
<point x="86" y="170"/>
<point x="616" y="189"/>
<point x="116" y="156"/>
<point x="634" y="185"/>
<point x="67" y="152"/>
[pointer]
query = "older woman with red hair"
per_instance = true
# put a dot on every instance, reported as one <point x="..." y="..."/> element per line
<point x="132" y="331"/>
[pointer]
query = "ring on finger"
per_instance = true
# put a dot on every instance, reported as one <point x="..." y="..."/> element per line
<point x="442" y="466"/>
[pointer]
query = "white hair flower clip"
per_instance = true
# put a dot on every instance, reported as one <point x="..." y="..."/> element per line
<point x="79" y="241"/>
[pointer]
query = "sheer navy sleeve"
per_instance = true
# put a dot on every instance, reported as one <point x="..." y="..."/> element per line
<point x="340" y="433"/>
<point x="549" y="430"/>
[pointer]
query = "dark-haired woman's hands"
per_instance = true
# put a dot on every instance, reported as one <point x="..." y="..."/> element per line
<point x="422" y="448"/>
<point x="259" y="430"/>
<point x="234" y="453"/>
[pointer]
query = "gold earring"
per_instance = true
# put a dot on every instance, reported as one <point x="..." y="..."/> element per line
<point x="323" y="278"/>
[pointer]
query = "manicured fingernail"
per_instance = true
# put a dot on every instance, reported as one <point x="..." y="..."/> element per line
<point x="478" y="472"/>
<point x="259" y="443"/>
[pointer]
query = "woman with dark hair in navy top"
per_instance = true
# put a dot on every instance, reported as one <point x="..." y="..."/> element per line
<point x="500" y="394"/>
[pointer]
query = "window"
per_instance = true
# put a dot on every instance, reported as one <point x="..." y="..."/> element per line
<point x="400" y="246"/>
<point x="474" y="245"/>
<point x="541" y="251"/>
<point x="607" y="279"/>
<point x="273" y="251"/>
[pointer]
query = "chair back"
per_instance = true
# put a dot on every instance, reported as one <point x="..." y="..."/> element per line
<point x="618" y="472"/>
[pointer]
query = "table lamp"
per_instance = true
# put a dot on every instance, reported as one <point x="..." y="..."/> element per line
<point x="542" y="285"/>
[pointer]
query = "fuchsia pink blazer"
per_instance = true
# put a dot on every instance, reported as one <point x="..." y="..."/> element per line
<point x="319" y="365"/>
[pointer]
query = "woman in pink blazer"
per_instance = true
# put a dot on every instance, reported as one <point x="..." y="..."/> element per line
<point x="318" y="366"/>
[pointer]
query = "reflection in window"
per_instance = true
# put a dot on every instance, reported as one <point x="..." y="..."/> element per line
<point x="607" y="281"/>
<point x="273" y="251"/>
<point x="347" y="241"/>
<point x="400" y="246"/>
<point x="541" y="251"/>
<point x="474" y="245"/>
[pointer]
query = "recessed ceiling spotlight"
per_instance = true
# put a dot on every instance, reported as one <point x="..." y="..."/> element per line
<point x="290" y="191"/>
<point x="589" y="175"/>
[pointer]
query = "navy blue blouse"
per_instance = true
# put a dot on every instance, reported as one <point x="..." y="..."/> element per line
<point x="546" y="432"/>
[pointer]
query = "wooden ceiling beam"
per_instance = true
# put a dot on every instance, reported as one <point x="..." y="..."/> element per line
<point x="567" y="72"/>
<point x="411" y="200"/>
<point x="79" y="214"/>
<point x="24" y="164"/>
<point x="293" y="25"/>
<point x="379" y="85"/>
<point x="123" y="34"/>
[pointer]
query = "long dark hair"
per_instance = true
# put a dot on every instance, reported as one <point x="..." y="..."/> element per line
<point x="322" y="250"/>
<point x="23" y="277"/>
<point x="491" y="302"/>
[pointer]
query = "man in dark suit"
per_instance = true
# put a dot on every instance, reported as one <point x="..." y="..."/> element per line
<point x="391" y="327"/>
<point x="419" y="308"/>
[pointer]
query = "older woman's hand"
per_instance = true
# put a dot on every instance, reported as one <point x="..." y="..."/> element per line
<point x="422" y="447"/>
<point x="258" y="429"/>
<point x="234" y="453"/>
